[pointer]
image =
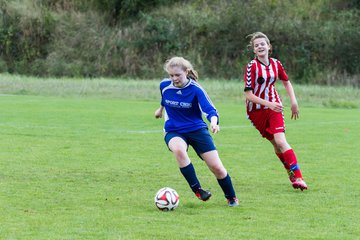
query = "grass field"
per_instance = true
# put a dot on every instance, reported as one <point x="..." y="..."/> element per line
<point x="87" y="166"/>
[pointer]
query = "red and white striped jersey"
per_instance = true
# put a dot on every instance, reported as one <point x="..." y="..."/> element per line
<point x="261" y="80"/>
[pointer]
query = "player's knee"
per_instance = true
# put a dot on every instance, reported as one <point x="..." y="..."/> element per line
<point x="281" y="144"/>
<point x="219" y="171"/>
<point x="179" y="152"/>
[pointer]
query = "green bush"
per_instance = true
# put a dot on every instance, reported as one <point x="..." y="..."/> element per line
<point x="315" y="40"/>
<point x="26" y="32"/>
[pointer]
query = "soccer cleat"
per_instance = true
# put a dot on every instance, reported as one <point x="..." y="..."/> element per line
<point x="299" y="183"/>
<point x="233" y="202"/>
<point x="202" y="194"/>
<point x="291" y="175"/>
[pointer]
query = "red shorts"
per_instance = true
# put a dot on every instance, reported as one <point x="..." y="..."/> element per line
<point x="268" y="122"/>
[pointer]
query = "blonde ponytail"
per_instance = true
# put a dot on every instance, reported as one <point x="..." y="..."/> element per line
<point x="193" y="74"/>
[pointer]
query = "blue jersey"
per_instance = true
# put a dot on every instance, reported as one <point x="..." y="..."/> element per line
<point x="184" y="106"/>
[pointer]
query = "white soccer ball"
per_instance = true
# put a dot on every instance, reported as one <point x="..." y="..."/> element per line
<point x="166" y="199"/>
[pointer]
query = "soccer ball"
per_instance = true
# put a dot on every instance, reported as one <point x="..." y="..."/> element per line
<point x="166" y="199"/>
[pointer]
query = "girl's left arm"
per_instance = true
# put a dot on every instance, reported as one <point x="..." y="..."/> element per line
<point x="294" y="104"/>
<point x="209" y="110"/>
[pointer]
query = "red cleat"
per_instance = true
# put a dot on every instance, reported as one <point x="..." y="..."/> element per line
<point x="299" y="183"/>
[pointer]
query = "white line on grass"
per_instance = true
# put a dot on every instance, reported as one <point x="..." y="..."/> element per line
<point x="250" y="126"/>
<point x="150" y="131"/>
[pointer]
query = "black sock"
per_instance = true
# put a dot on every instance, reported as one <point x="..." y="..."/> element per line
<point x="189" y="173"/>
<point x="227" y="187"/>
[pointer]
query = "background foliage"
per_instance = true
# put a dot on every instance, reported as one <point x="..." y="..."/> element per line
<point x="317" y="41"/>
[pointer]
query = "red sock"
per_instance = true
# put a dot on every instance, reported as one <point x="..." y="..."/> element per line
<point x="281" y="157"/>
<point x="290" y="158"/>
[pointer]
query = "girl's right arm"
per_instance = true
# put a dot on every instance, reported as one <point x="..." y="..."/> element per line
<point x="159" y="112"/>
<point x="250" y="96"/>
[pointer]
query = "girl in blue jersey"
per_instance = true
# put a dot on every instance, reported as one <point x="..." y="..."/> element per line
<point x="184" y="101"/>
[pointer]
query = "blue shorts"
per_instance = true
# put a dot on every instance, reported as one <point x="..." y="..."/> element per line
<point x="200" y="140"/>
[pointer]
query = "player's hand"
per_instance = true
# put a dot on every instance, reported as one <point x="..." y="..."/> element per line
<point x="158" y="113"/>
<point x="277" y="107"/>
<point x="294" y="111"/>
<point x="214" y="128"/>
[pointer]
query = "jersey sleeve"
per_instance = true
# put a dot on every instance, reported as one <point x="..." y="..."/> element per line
<point x="281" y="72"/>
<point x="161" y="87"/>
<point x="249" y="76"/>
<point x="206" y="106"/>
<point x="162" y="99"/>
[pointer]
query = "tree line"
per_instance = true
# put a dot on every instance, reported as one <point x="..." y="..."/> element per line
<point x="317" y="41"/>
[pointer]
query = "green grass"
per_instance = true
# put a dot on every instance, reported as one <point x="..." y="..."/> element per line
<point x="75" y="167"/>
<point x="220" y="91"/>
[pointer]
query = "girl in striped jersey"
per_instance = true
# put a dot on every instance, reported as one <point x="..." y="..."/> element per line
<point x="184" y="101"/>
<point x="264" y="107"/>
